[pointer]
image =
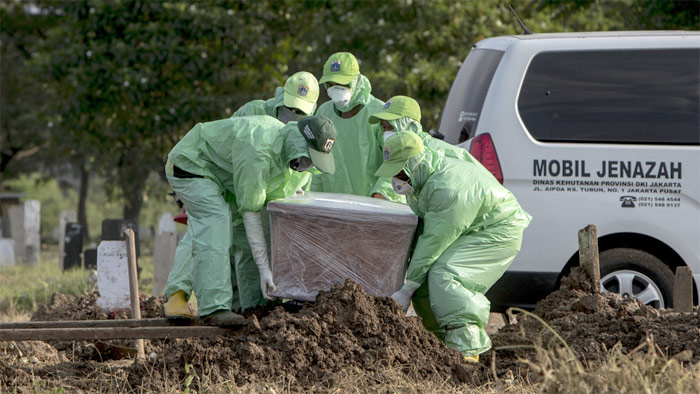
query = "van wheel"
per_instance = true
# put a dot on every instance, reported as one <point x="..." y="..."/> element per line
<point x="638" y="274"/>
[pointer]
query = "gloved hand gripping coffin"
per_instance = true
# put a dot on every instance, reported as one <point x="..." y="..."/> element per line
<point x="321" y="239"/>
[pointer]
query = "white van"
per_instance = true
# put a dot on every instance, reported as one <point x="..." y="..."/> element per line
<point x="589" y="128"/>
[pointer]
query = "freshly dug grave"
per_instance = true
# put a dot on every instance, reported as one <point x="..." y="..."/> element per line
<point x="345" y="329"/>
<point x="591" y="323"/>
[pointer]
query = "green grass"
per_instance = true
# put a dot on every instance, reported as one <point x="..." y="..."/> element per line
<point x="23" y="288"/>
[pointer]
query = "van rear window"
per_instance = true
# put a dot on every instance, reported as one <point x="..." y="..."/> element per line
<point x="634" y="96"/>
<point x="461" y="114"/>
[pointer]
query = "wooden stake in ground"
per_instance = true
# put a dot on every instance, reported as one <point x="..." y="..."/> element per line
<point x="134" y="286"/>
<point x="683" y="290"/>
<point x="588" y="254"/>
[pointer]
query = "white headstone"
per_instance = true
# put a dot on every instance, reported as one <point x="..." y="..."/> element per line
<point x="16" y="213"/>
<point x="166" y="224"/>
<point x="64" y="217"/>
<point x="163" y="253"/>
<point x="32" y="227"/>
<point x="113" y="275"/>
<point x="7" y="252"/>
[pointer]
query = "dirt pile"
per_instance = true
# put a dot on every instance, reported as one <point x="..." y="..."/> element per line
<point x="304" y="345"/>
<point x="68" y="307"/>
<point x="591" y="323"/>
<point x="344" y="329"/>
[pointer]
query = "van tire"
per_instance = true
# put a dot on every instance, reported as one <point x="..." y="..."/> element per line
<point x="619" y="259"/>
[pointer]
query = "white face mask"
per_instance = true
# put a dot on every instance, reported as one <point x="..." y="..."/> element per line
<point x="300" y="164"/>
<point x="401" y="187"/>
<point x="388" y="134"/>
<point x="340" y="95"/>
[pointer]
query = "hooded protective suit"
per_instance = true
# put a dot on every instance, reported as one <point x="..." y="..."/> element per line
<point x="262" y="107"/>
<point x="451" y="151"/>
<point x="179" y="277"/>
<point x="358" y="150"/>
<point x="243" y="163"/>
<point x="471" y="231"/>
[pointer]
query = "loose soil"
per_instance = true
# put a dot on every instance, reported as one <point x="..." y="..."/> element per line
<point x="309" y="345"/>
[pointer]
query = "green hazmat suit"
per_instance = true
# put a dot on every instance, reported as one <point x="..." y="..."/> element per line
<point x="451" y="151"/>
<point x="262" y="107"/>
<point x="244" y="164"/>
<point x="358" y="150"/>
<point x="179" y="279"/>
<point x="471" y="231"/>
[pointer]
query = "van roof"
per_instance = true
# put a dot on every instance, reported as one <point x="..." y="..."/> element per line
<point x="598" y="34"/>
<point x="607" y="39"/>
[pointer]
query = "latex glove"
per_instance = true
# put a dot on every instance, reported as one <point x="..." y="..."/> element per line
<point x="403" y="296"/>
<point x="252" y="221"/>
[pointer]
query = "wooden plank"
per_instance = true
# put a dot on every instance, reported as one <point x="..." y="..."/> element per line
<point x="683" y="290"/>
<point x="92" y="323"/>
<point x="61" y="334"/>
<point x="588" y="253"/>
<point x="134" y="286"/>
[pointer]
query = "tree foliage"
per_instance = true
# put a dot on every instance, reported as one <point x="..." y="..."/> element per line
<point x="120" y="81"/>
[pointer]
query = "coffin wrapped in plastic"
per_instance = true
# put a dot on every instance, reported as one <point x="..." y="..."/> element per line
<point x="322" y="239"/>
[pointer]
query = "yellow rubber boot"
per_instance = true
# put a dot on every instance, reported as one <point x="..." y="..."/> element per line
<point x="472" y="359"/>
<point x="176" y="308"/>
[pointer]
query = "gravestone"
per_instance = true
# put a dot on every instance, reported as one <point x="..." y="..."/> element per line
<point x="16" y="214"/>
<point x="25" y="222"/>
<point x="113" y="230"/>
<point x="163" y="253"/>
<point x="73" y="246"/>
<point x="64" y="218"/>
<point x="32" y="226"/>
<point x="113" y="275"/>
<point x="7" y="252"/>
<point x="90" y="258"/>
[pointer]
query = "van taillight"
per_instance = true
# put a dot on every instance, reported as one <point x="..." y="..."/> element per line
<point x="483" y="150"/>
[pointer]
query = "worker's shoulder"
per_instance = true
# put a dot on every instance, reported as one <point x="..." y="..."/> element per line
<point x="374" y="105"/>
<point x="255" y="107"/>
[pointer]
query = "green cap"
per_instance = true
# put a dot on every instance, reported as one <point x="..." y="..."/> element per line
<point x="301" y="91"/>
<point x="398" y="107"/>
<point x="397" y="150"/>
<point x="340" y="68"/>
<point x="320" y="134"/>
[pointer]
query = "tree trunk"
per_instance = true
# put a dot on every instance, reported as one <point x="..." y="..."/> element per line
<point x="82" y="216"/>
<point x="133" y="187"/>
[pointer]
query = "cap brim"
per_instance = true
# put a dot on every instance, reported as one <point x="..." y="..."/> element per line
<point x="387" y="170"/>
<point x="383" y="115"/>
<point x="323" y="161"/>
<point x="337" y="78"/>
<point x="296" y="102"/>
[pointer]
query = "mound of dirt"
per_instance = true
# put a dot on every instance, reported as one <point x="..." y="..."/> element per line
<point x="591" y="323"/>
<point x="344" y="329"/>
<point x="68" y="307"/>
<point x="305" y="345"/>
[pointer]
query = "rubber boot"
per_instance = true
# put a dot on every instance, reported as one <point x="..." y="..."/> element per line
<point x="223" y="318"/>
<point x="472" y="359"/>
<point x="176" y="308"/>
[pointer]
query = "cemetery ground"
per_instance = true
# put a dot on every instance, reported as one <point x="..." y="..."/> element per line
<point x="577" y="341"/>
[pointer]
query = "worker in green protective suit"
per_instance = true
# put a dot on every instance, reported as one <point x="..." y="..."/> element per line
<point x="293" y="101"/>
<point x="402" y="113"/>
<point x="224" y="172"/>
<point x="296" y="99"/>
<point x="471" y="231"/>
<point x="359" y="151"/>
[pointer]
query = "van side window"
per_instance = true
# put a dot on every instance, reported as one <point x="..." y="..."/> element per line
<point x="631" y="96"/>
<point x="470" y="87"/>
